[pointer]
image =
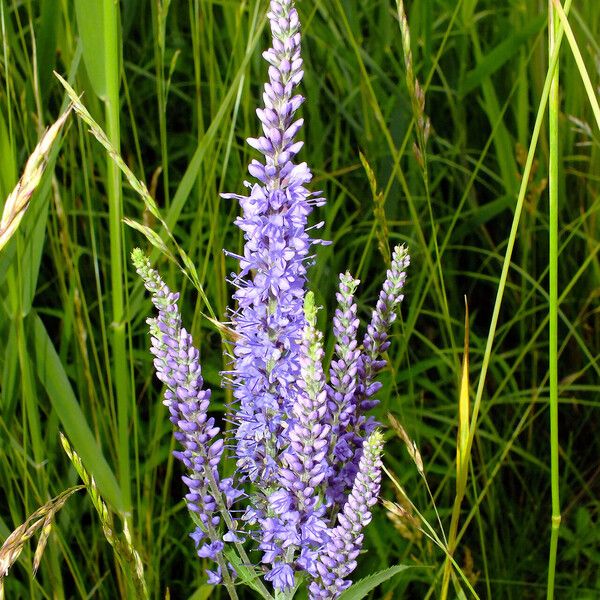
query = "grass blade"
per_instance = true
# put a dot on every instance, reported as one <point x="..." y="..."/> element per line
<point x="91" y="26"/>
<point x="52" y="376"/>
<point x="587" y="83"/>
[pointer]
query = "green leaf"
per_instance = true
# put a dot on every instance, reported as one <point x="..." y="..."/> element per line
<point x="8" y="166"/>
<point x="34" y="232"/>
<point x="52" y="376"/>
<point x="10" y="370"/>
<point x="202" y="593"/>
<point x="361" y="588"/>
<point x="245" y="575"/>
<point x="90" y="23"/>
<point x="46" y="44"/>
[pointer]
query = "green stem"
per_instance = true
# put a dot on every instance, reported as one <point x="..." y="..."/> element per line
<point x="218" y="496"/>
<point x="115" y="216"/>
<point x="553" y="110"/>
<point x="160" y="11"/>
<point x="225" y="574"/>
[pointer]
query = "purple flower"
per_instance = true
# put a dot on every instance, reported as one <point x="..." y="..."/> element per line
<point x="269" y="318"/>
<point x="376" y="340"/>
<point x="338" y="558"/>
<point x="298" y="521"/>
<point x="370" y="363"/>
<point x="304" y="462"/>
<point x="344" y="367"/>
<point x="176" y="361"/>
<point x="270" y="285"/>
<point x="282" y="576"/>
<point x="211" y="550"/>
<point x="344" y="379"/>
<point x="214" y="577"/>
<point x="298" y="440"/>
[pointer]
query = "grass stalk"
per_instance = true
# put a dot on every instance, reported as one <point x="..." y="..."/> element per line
<point x="553" y="182"/>
<point x="160" y="11"/>
<point x="126" y="554"/>
<point x="587" y="83"/>
<point x="115" y="216"/>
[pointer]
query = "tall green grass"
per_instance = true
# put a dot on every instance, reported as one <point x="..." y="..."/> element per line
<point x="498" y="202"/>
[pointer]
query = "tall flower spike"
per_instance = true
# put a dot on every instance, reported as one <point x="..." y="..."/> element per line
<point x="176" y="361"/>
<point x="348" y="446"/>
<point x="270" y="285"/>
<point x="338" y="558"/>
<point x="371" y="362"/>
<point x="304" y="463"/>
<point x="344" y="379"/>
<point x="306" y="456"/>
<point x="285" y="73"/>
<point x="299" y="442"/>
<point x="376" y="340"/>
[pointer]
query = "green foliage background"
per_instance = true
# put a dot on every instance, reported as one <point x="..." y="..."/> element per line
<point x="175" y="84"/>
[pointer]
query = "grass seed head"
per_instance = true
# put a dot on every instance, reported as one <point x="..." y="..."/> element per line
<point x="18" y="200"/>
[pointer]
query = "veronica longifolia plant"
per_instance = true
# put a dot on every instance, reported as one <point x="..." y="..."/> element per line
<point x="308" y="458"/>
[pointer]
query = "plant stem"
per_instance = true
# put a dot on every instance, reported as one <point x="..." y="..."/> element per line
<point x="160" y="11"/>
<point x="553" y="109"/>
<point x="218" y="496"/>
<point x="115" y="216"/>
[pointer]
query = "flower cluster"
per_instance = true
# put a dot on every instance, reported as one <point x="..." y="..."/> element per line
<point x="270" y="284"/>
<point x="177" y="365"/>
<point x="338" y="559"/>
<point x="368" y="363"/>
<point x="308" y="457"/>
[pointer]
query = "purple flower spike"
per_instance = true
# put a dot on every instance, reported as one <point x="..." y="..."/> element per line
<point x="310" y="458"/>
<point x="299" y="522"/>
<point x="176" y="361"/>
<point x="338" y="558"/>
<point x="270" y="285"/>
<point x="371" y="362"/>
<point x="305" y="460"/>
<point x="344" y="379"/>
<point x="376" y="340"/>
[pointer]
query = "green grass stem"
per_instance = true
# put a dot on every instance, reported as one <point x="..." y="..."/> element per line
<point x="123" y="386"/>
<point x="583" y="72"/>
<point x="553" y="183"/>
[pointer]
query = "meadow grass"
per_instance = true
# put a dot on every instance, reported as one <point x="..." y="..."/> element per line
<point x="441" y="124"/>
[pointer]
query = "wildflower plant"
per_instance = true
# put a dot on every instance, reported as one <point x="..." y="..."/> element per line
<point x="308" y="456"/>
